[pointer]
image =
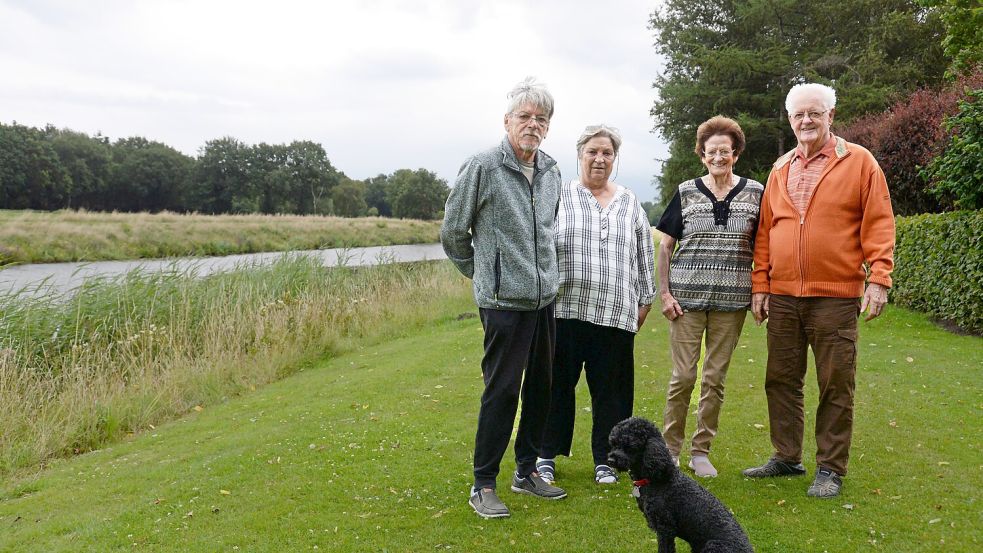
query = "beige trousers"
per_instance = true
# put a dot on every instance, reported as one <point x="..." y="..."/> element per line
<point x="722" y="330"/>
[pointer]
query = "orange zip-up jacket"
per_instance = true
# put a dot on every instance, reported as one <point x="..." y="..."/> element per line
<point x="848" y="222"/>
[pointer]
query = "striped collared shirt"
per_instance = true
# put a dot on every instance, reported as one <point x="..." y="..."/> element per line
<point x="606" y="258"/>
<point x="803" y="174"/>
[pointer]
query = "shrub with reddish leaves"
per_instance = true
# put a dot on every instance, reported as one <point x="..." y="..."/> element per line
<point x="907" y="136"/>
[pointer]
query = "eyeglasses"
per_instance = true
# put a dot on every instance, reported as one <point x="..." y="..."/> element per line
<point x="524" y="118"/>
<point x="710" y="154"/>
<point x="812" y="115"/>
<point x="607" y="155"/>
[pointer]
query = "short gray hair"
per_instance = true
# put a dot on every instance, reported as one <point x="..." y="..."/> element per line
<point x="599" y="130"/>
<point x="827" y="94"/>
<point x="531" y="92"/>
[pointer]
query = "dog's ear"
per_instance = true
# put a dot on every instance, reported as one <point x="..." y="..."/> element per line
<point x="657" y="461"/>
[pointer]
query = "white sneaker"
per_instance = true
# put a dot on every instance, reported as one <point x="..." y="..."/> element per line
<point x="702" y="467"/>
<point x="603" y="474"/>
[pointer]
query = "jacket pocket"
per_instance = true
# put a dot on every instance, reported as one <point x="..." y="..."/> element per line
<point x="498" y="272"/>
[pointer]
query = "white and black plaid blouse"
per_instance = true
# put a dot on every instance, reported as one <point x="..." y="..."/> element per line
<point x="605" y="256"/>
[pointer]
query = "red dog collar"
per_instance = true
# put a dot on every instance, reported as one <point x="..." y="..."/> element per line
<point x="640" y="483"/>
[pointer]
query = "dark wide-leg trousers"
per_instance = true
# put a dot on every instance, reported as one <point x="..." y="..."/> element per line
<point x="829" y="326"/>
<point x="606" y="355"/>
<point x="517" y="363"/>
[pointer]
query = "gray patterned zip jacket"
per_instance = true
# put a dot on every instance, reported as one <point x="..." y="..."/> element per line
<point x="498" y="230"/>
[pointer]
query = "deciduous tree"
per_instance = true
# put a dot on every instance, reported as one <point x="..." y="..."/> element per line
<point x="348" y="198"/>
<point x="31" y="175"/>
<point x="149" y="176"/>
<point x="417" y="194"/>
<point x="88" y="162"/>
<point x="222" y="178"/>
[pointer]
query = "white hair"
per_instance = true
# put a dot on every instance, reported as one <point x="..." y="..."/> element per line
<point x="531" y="92"/>
<point x="825" y="93"/>
<point x="612" y="134"/>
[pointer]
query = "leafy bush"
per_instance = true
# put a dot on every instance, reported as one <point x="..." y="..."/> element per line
<point x="907" y="137"/>
<point x="939" y="267"/>
<point x="956" y="172"/>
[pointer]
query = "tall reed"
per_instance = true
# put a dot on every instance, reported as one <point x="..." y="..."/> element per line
<point x="124" y="354"/>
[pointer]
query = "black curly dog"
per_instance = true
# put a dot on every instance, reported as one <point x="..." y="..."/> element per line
<point x="673" y="504"/>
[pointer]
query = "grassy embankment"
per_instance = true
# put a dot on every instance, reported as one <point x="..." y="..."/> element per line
<point x="125" y="354"/>
<point x="371" y="450"/>
<point x="43" y="237"/>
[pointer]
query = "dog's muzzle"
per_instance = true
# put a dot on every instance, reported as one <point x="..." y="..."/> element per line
<point x="618" y="460"/>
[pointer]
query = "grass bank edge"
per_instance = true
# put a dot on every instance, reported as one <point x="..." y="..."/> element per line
<point x="125" y="354"/>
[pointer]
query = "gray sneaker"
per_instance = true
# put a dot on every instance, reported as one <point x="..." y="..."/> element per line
<point x="487" y="504"/>
<point x="774" y="467"/>
<point x="826" y="485"/>
<point x="535" y="485"/>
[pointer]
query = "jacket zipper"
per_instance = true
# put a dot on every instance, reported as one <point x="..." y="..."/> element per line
<point x="833" y="160"/>
<point x="498" y="272"/>
<point x="802" y="252"/>
<point x="802" y="222"/>
<point x="535" y="242"/>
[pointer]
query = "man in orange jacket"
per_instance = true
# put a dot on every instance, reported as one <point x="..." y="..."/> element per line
<point x="825" y="216"/>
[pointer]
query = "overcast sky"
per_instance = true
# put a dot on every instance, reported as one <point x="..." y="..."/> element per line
<point x="381" y="84"/>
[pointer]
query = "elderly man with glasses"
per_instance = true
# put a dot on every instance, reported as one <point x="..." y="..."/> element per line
<point x="498" y="231"/>
<point x="825" y="239"/>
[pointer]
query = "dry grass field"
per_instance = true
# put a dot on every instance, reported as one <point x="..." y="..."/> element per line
<point x="46" y="237"/>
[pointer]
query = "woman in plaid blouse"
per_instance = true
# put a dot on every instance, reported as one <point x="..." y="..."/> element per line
<point x="606" y="263"/>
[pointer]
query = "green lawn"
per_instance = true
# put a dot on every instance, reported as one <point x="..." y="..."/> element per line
<point x="371" y="451"/>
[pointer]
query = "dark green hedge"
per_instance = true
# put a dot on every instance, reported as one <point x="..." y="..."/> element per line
<point x="939" y="267"/>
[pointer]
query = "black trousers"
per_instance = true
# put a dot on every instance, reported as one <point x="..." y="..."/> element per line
<point x="517" y="343"/>
<point x="607" y="355"/>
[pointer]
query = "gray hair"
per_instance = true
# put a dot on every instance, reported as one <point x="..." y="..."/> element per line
<point x="599" y="130"/>
<point x="531" y="92"/>
<point x="826" y="93"/>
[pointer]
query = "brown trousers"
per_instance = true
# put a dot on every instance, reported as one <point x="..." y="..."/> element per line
<point x="722" y="330"/>
<point x="829" y="326"/>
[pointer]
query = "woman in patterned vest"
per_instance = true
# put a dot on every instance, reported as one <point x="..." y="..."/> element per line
<point x="705" y="283"/>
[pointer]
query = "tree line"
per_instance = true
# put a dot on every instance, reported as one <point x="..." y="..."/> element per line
<point x="50" y="168"/>
<point x="739" y="58"/>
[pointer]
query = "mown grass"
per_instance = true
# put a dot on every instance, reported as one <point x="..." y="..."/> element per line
<point x="125" y="354"/>
<point x="371" y="451"/>
<point x="44" y="237"/>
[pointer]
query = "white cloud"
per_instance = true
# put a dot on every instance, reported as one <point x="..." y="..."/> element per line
<point x="382" y="84"/>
